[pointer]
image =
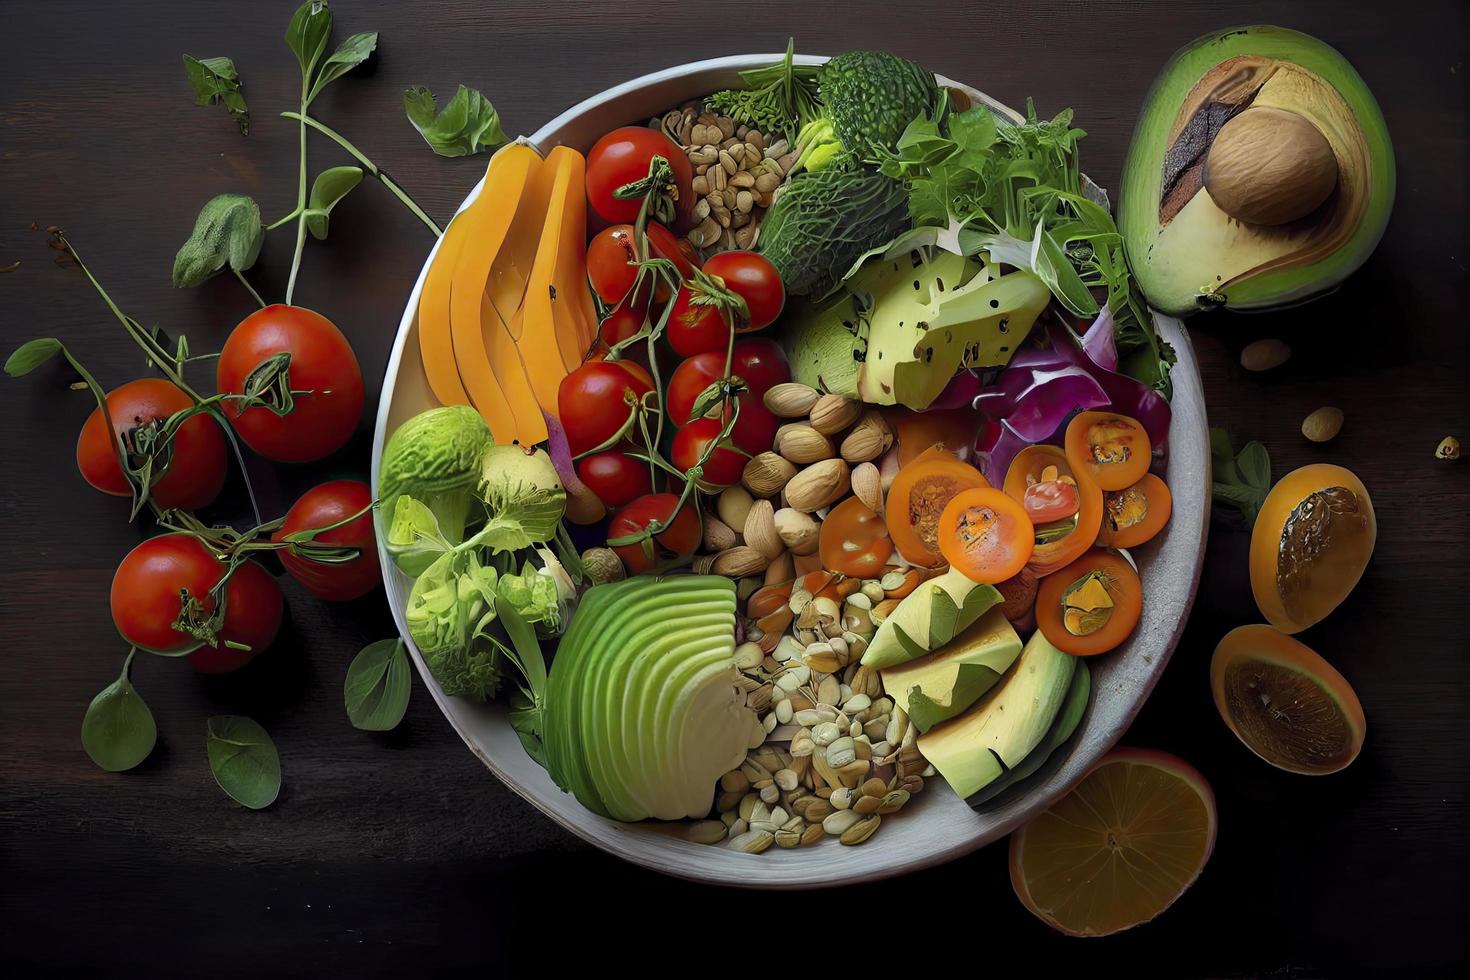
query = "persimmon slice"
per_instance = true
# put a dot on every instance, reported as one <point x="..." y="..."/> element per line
<point x="917" y="432"/>
<point x="986" y="536"/>
<point x="1287" y="704"/>
<point x="1060" y="541"/>
<point x="1090" y="606"/>
<point x="854" y="540"/>
<point x="1111" y="449"/>
<point x="917" y="498"/>
<point x="1135" y="514"/>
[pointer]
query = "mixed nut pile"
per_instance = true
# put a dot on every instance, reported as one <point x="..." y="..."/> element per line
<point x="736" y="172"/>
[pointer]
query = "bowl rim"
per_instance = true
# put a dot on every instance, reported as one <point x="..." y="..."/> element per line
<point x="1187" y="382"/>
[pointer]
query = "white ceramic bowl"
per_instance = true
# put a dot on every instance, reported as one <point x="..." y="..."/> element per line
<point x="936" y="826"/>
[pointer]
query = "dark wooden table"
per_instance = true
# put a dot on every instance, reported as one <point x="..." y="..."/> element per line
<point x="396" y="852"/>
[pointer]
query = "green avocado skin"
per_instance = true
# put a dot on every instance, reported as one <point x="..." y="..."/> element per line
<point x="1143" y="174"/>
<point x="1067" y="721"/>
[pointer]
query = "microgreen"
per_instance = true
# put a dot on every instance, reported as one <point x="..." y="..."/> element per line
<point x="216" y="80"/>
<point x="1241" y="480"/>
<point x="466" y="125"/>
<point x="377" y="686"/>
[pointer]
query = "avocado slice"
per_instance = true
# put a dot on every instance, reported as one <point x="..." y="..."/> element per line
<point x="928" y="618"/>
<point x="979" y="747"/>
<point x="940" y="686"/>
<point x="1261" y="174"/>
<point x="1073" y="708"/>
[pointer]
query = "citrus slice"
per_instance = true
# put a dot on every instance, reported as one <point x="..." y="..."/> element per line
<point x="1287" y="704"/>
<point x="1119" y="848"/>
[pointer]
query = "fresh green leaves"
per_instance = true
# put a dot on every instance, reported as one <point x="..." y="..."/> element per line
<point x="780" y="98"/>
<point x="244" y="760"/>
<point x="349" y="54"/>
<point x="216" y="80"/>
<point x="1241" y="480"/>
<point x="329" y="187"/>
<point x="118" y="731"/>
<point x="467" y="125"/>
<point x="528" y="706"/>
<point x="227" y="232"/>
<point x="377" y="686"/>
<point x="308" y="33"/>
<point x="31" y="355"/>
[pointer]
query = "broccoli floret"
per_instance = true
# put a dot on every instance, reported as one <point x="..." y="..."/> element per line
<point x="868" y="97"/>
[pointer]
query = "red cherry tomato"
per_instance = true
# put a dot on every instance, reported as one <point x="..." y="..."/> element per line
<point x="323" y="506"/>
<point x="755" y="280"/>
<point x="622" y="157"/>
<point x="322" y="363"/>
<point x="1050" y="501"/>
<point x="724" y="465"/>
<point x="147" y="597"/>
<point x="624" y="321"/>
<point x="615" y="477"/>
<point x="610" y="258"/>
<point x="696" y="328"/>
<point x="594" y="402"/>
<point x="761" y="362"/>
<point x="690" y="378"/>
<point x="755" y="429"/>
<point x="196" y="454"/>
<point x="678" y="540"/>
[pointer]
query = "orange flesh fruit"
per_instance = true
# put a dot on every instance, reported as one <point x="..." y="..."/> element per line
<point x="1287" y="704"/>
<point x="1110" y="449"/>
<point x="917" y="498"/>
<point x="1092" y="605"/>
<point x="1027" y="470"/>
<point x="985" y="535"/>
<point x="1135" y="514"/>
<point x="1120" y="848"/>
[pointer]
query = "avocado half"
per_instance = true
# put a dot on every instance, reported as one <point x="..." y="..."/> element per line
<point x="1261" y="174"/>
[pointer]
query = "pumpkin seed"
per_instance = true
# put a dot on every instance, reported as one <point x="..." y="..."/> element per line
<point x="861" y="830"/>
<point x="839" y="822"/>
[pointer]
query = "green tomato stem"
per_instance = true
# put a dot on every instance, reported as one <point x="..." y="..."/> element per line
<point x="300" y="196"/>
<point x="248" y="288"/>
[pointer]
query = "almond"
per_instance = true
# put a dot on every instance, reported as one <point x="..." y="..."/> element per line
<point x="766" y="473"/>
<point x="833" y="413"/>
<point x="781" y="569"/>
<point x="818" y="485"/>
<point x="717" y="534"/>
<point x="867" y="486"/>
<point x="803" y="444"/>
<point x="739" y="561"/>
<point x="797" y="531"/>
<point x="870" y="438"/>
<point x="733" y="505"/>
<point x="760" y="530"/>
<point x="1263" y="355"/>
<point x="791" y="400"/>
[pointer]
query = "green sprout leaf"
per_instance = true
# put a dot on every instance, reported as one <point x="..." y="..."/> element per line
<point x="329" y="187"/>
<point x="31" y="355"/>
<point x="216" y="80"/>
<point x="118" y="730"/>
<point x="1241" y="480"/>
<point x="468" y="124"/>
<point x="227" y="232"/>
<point x="244" y="760"/>
<point x="349" y="54"/>
<point x="308" y="33"/>
<point x="377" y="686"/>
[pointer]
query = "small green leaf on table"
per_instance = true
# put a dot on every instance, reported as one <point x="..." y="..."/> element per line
<point x="216" y="80"/>
<point x="244" y="760"/>
<point x="227" y="232"/>
<point x="118" y="730"/>
<point x="308" y="33"/>
<point x="31" y="355"/>
<point x="349" y="54"/>
<point x="329" y="187"/>
<point x="467" y="125"/>
<point x="1241" y="480"/>
<point x="377" y="687"/>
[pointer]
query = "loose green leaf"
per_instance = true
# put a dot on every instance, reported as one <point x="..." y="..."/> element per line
<point x="468" y="124"/>
<point x="349" y="54"/>
<point x="227" y="232"/>
<point x="244" y="760"/>
<point x="216" y="80"/>
<point x="329" y="187"/>
<point x="1241" y="480"/>
<point x="308" y="33"/>
<point x="377" y="686"/>
<point x="31" y="355"/>
<point x="118" y="730"/>
<point x="1051" y="264"/>
<point x="1255" y="465"/>
<point x="1222" y="457"/>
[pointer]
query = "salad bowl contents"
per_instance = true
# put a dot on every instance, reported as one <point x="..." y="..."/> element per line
<point x="796" y="467"/>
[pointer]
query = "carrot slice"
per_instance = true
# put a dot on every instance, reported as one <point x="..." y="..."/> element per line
<point x="919" y="495"/>
<point x="436" y="344"/>
<point x="1056" y="547"/>
<point x="1135" y="514"/>
<point x="985" y="535"/>
<point x="1090" y="606"/>
<point x="1111" y="449"/>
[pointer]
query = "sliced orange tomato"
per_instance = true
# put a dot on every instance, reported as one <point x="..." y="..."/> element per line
<point x="1056" y="545"/>
<point x="854" y="540"/>
<point x="1135" y="514"/>
<point x="918" y="432"/>
<point x="918" y="496"/>
<point x="1111" y="449"/>
<point x="986" y="536"/>
<point x="1090" y="606"/>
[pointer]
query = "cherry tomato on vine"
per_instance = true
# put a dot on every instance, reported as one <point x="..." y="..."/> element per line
<point x="690" y="378"/>
<point x="615" y="477"/>
<point x="622" y="157"/>
<point x="761" y="362"/>
<point x="755" y="430"/>
<point x="678" y="540"/>
<point x="322" y="506"/>
<point x="195" y="457"/>
<point x="624" y="321"/>
<point x="754" y="279"/>
<point x="696" y="328"/>
<point x="724" y="466"/>
<point x="147" y="599"/>
<point x="594" y="402"/>
<point x="322" y="363"/>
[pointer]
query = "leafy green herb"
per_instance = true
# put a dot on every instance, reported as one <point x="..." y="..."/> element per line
<point x="780" y="98"/>
<point x="377" y="686"/>
<point x="244" y="760"/>
<point x="31" y="355"/>
<point x="527" y="708"/>
<point x="227" y="232"/>
<point x="349" y="54"/>
<point x="308" y="33"/>
<point x="1241" y="480"/>
<point x="467" y="125"/>
<point x="216" y="80"/>
<point x="118" y="731"/>
<point x="329" y="187"/>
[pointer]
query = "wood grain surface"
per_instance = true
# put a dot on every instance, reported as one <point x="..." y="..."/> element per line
<point x="399" y="852"/>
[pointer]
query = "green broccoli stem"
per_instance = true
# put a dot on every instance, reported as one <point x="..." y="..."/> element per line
<point x="452" y="510"/>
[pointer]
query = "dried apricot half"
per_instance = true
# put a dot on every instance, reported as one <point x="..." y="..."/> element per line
<point x="917" y="498"/>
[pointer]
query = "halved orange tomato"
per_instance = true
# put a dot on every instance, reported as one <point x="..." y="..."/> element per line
<point x="1135" y="514"/>
<point x="1090" y="606"/>
<point x="854" y="540"/>
<point x="917" y="498"/>
<point x="1058" y="542"/>
<point x="1111" y="449"/>
<point x="985" y="535"/>
<point x="918" y="432"/>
